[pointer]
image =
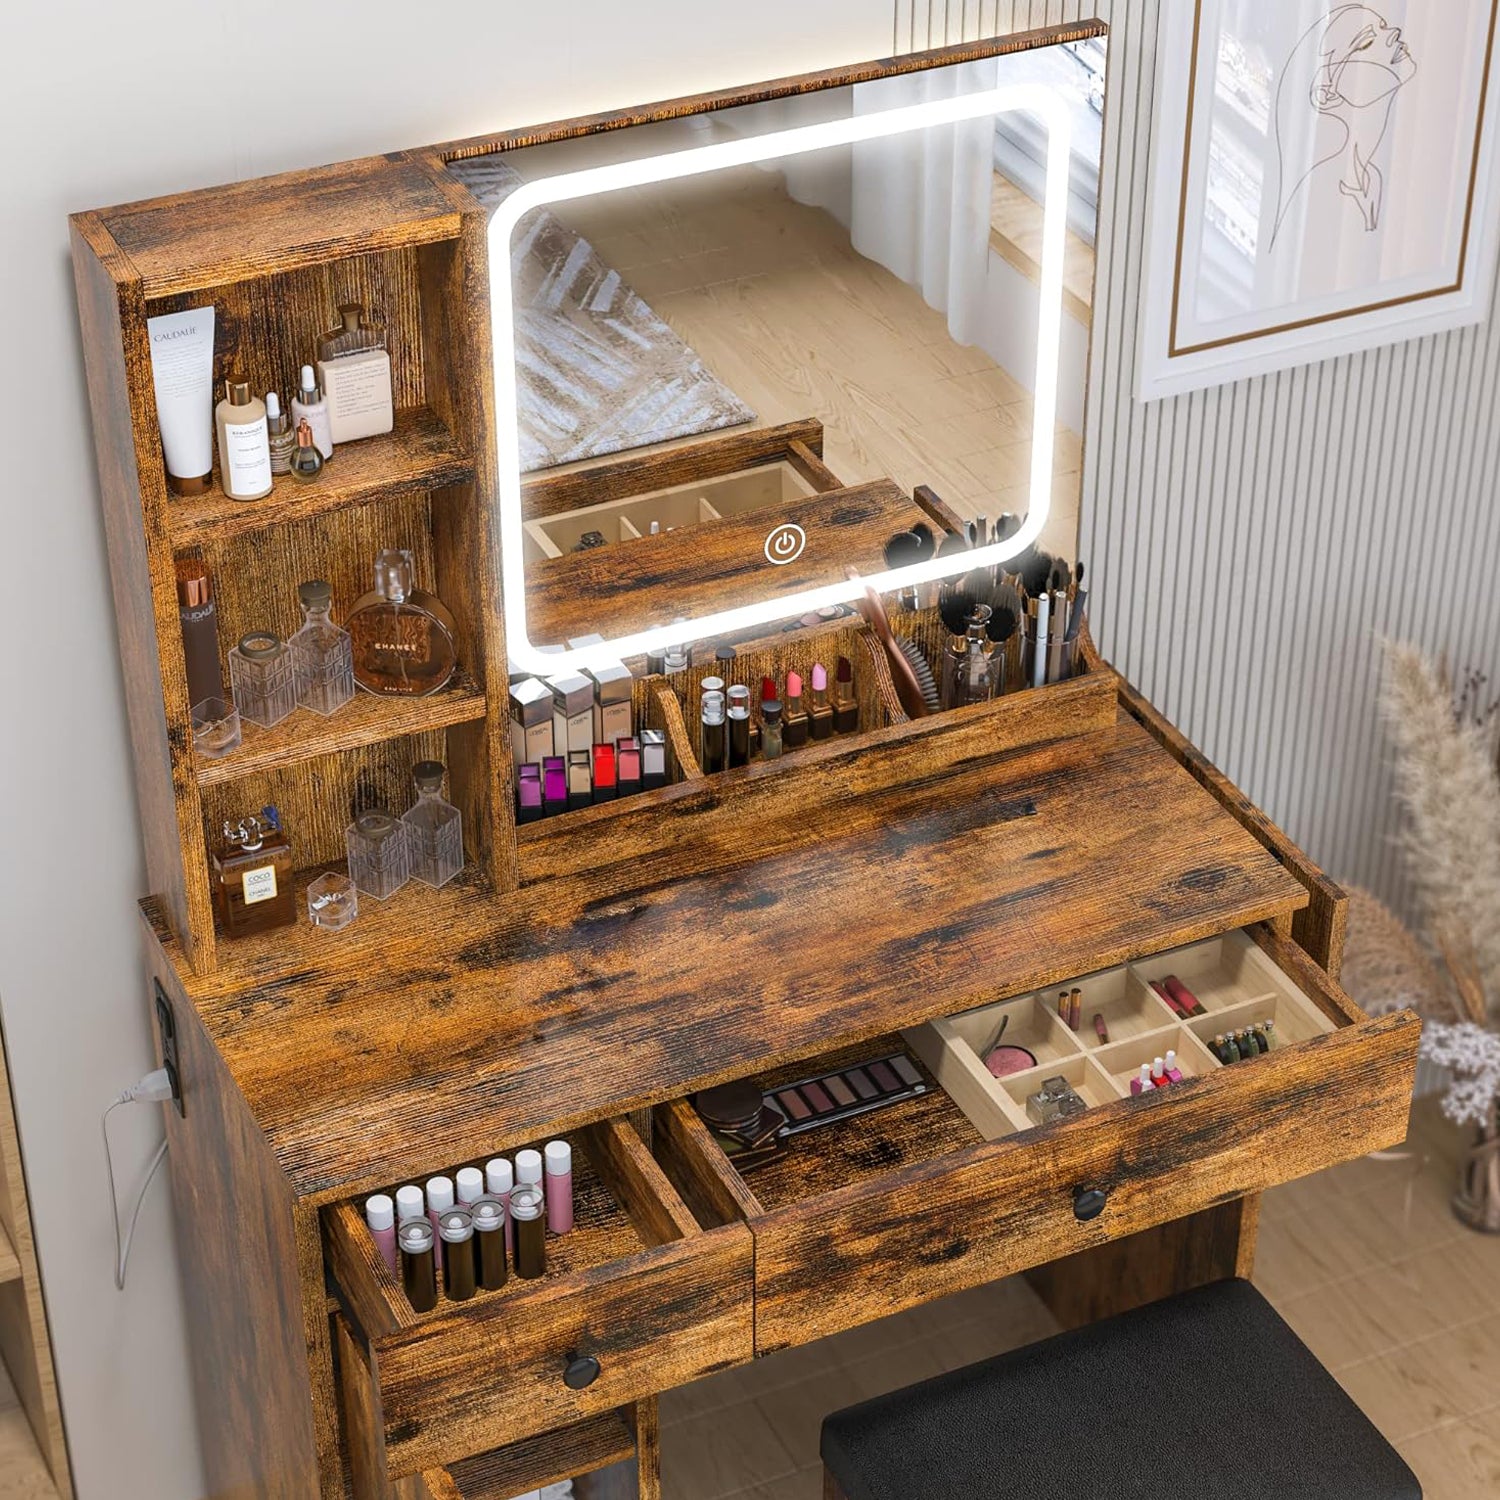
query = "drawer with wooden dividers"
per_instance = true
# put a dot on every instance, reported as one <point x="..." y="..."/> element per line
<point x="635" y="1300"/>
<point x="865" y="1217"/>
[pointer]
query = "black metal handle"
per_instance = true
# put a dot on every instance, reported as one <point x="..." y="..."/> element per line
<point x="1088" y="1203"/>
<point x="580" y="1371"/>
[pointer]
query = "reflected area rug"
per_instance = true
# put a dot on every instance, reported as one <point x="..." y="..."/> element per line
<point x="597" y="371"/>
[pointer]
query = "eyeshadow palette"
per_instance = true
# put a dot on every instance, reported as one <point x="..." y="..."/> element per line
<point x="826" y="1098"/>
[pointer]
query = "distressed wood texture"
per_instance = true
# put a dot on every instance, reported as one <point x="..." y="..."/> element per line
<point x="1320" y="927"/>
<point x="482" y="1023"/>
<point x="907" y="1211"/>
<point x="255" y="1303"/>
<point x="695" y="570"/>
<point x="548" y="1458"/>
<point x="672" y="1305"/>
<point x="619" y="478"/>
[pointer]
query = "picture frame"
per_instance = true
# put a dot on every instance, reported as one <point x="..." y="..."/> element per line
<point x="1323" y="181"/>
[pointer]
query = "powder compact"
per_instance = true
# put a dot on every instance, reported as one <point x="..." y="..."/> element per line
<point x="743" y="1121"/>
<point x="1007" y="1059"/>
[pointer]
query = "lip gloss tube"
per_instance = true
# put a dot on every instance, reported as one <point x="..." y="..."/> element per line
<point x="500" y="1178"/>
<point x="531" y="1231"/>
<point x="559" y="1171"/>
<point x="439" y="1201"/>
<point x="460" y="1274"/>
<point x="380" y="1215"/>
<point x="490" y="1220"/>
<point x="470" y="1184"/>
<point x="418" y="1273"/>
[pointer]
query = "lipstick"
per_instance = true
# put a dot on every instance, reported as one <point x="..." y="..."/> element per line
<point x="653" y="759"/>
<point x="554" y="800"/>
<point x="529" y="795"/>
<point x="1100" y="1029"/>
<point x="845" y="706"/>
<point x="739" y="725"/>
<point x="795" y="725"/>
<point x="1190" y="1004"/>
<point x="580" y="780"/>
<point x="605" y="788"/>
<point x="768" y="690"/>
<point x="822" y="713"/>
<point x="628" y="767"/>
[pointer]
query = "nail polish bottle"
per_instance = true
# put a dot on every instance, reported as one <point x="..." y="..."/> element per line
<point x="558" y="1158"/>
<point x="1158" y="1073"/>
<point x="380" y="1215"/>
<point x="1142" y="1084"/>
<point x="490" y="1258"/>
<point x="1174" y="1073"/>
<point x="821" y="713"/>
<point x="796" y="727"/>
<point x="770" y="729"/>
<point x="1272" y="1041"/>
<point x="439" y="1201"/>
<point x="845" y="705"/>
<point x="418" y="1246"/>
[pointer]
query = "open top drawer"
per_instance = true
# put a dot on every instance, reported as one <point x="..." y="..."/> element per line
<point x="940" y="1192"/>
<point x="636" y="1287"/>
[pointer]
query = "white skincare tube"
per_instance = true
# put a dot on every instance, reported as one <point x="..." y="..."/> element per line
<point x="182" y="371"/>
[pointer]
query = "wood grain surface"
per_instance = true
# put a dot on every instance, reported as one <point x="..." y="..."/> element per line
<point x="482" y="1023"/>
<point x="695" y="570"/>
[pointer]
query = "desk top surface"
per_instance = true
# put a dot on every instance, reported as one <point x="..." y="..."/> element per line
<point x="491" y="1021"/>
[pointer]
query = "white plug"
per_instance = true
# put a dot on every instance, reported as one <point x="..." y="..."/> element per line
<point x="154" y="1088"/>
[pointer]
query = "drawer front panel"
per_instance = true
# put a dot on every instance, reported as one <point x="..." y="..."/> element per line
<point x="484" y="1374"/>
<point x="989" y="1211"/>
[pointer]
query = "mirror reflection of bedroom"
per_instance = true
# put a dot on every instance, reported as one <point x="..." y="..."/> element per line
<point x="858" y="318"/>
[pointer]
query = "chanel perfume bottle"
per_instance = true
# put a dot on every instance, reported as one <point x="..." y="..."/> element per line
<point x="322" y="654"/>
<point x="252" y="876"/>
<point x="403" y="636"/>
<point x="434" y="829"/>
<point x="379" y="853"/>
<point x="356" y="374"/>
<point x="261" y="678"/>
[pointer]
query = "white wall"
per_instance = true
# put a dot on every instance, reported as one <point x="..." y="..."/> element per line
<point x="104" y="102"/>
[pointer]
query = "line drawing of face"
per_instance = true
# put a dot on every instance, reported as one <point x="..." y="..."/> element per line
<point x="1346" y="69"/>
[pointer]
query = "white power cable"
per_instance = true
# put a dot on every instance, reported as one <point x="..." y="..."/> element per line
<point x="153" y="1088"/>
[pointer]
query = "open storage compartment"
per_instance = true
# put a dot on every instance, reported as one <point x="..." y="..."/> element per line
<point x="637" y="1286"/>
<point x="876" y="1213"/>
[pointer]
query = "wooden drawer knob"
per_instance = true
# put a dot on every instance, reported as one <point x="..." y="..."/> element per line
<point x="580" y="1371"/>
<point x="1088" y="1203"/>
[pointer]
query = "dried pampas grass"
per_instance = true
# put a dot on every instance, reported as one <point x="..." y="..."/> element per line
<point x="1445" y="778"/>
<point x="1386" y="968"/>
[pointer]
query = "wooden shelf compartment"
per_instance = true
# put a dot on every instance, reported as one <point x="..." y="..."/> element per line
<point x="957" y="1187"/>
<point x="638" y="1285"/>
<point x="10" y="1262"/>
<point x="582" y="1449"/>
<point x="367" y="719"/>
<point x="418" y="455"/>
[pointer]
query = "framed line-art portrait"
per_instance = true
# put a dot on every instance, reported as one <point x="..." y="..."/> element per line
<point x="1323" y="181"/>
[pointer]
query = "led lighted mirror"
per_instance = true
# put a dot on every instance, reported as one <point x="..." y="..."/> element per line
<point x="904" y="262"/>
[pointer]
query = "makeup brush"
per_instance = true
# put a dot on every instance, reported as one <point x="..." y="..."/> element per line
<point x="995" y="1040"/>
<point x="923" y="533"/>
<point x="952" y="545"/>
<point x="904" y="550"/>
<point x="1059" y="577"/>
<point x="1034" y="568"/>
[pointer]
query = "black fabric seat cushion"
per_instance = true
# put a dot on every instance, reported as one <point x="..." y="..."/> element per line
<point x="1207" y="1395"/>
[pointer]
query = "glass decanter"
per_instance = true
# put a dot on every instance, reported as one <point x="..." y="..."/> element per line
<point x="434" y="828"/>
<point x="322" y="654"/>
<point x="404" y="638"/>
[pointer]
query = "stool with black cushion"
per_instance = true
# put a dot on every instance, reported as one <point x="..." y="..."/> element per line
<point x="1207" y="1394"/>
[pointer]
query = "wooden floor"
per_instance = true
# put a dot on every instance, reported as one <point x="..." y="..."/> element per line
<point x="785" y="312"/>
<point x="1365" y="1261"/>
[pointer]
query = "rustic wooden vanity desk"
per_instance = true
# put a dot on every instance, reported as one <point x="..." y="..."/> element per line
<point x="587" y="974"/>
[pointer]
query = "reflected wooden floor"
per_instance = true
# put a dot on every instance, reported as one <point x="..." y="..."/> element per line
<point x="1365" y="1261"/>
<point x="783" y="311"/>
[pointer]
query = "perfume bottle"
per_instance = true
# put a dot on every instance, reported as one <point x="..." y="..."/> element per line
<point x="356" y="374"/>
<point x="379" y="853"/>
<point x="434" y="828"/>
<point x="200" y="630"/>
<point x="282" y="438"/>
<point x="403" y="636"/>
<point x="322" y="654"/>
<point x="305" y="460"/>
<point x="261" y="678"/>
<point x="969" y="663"/>
<point x="252" y="876"/>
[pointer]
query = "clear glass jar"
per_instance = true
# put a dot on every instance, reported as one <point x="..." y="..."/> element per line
<point x="379" y="854"/>
<point x="264" y="685"/>
<point x="322" y="653"/>
<point x="434" y="829"/>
